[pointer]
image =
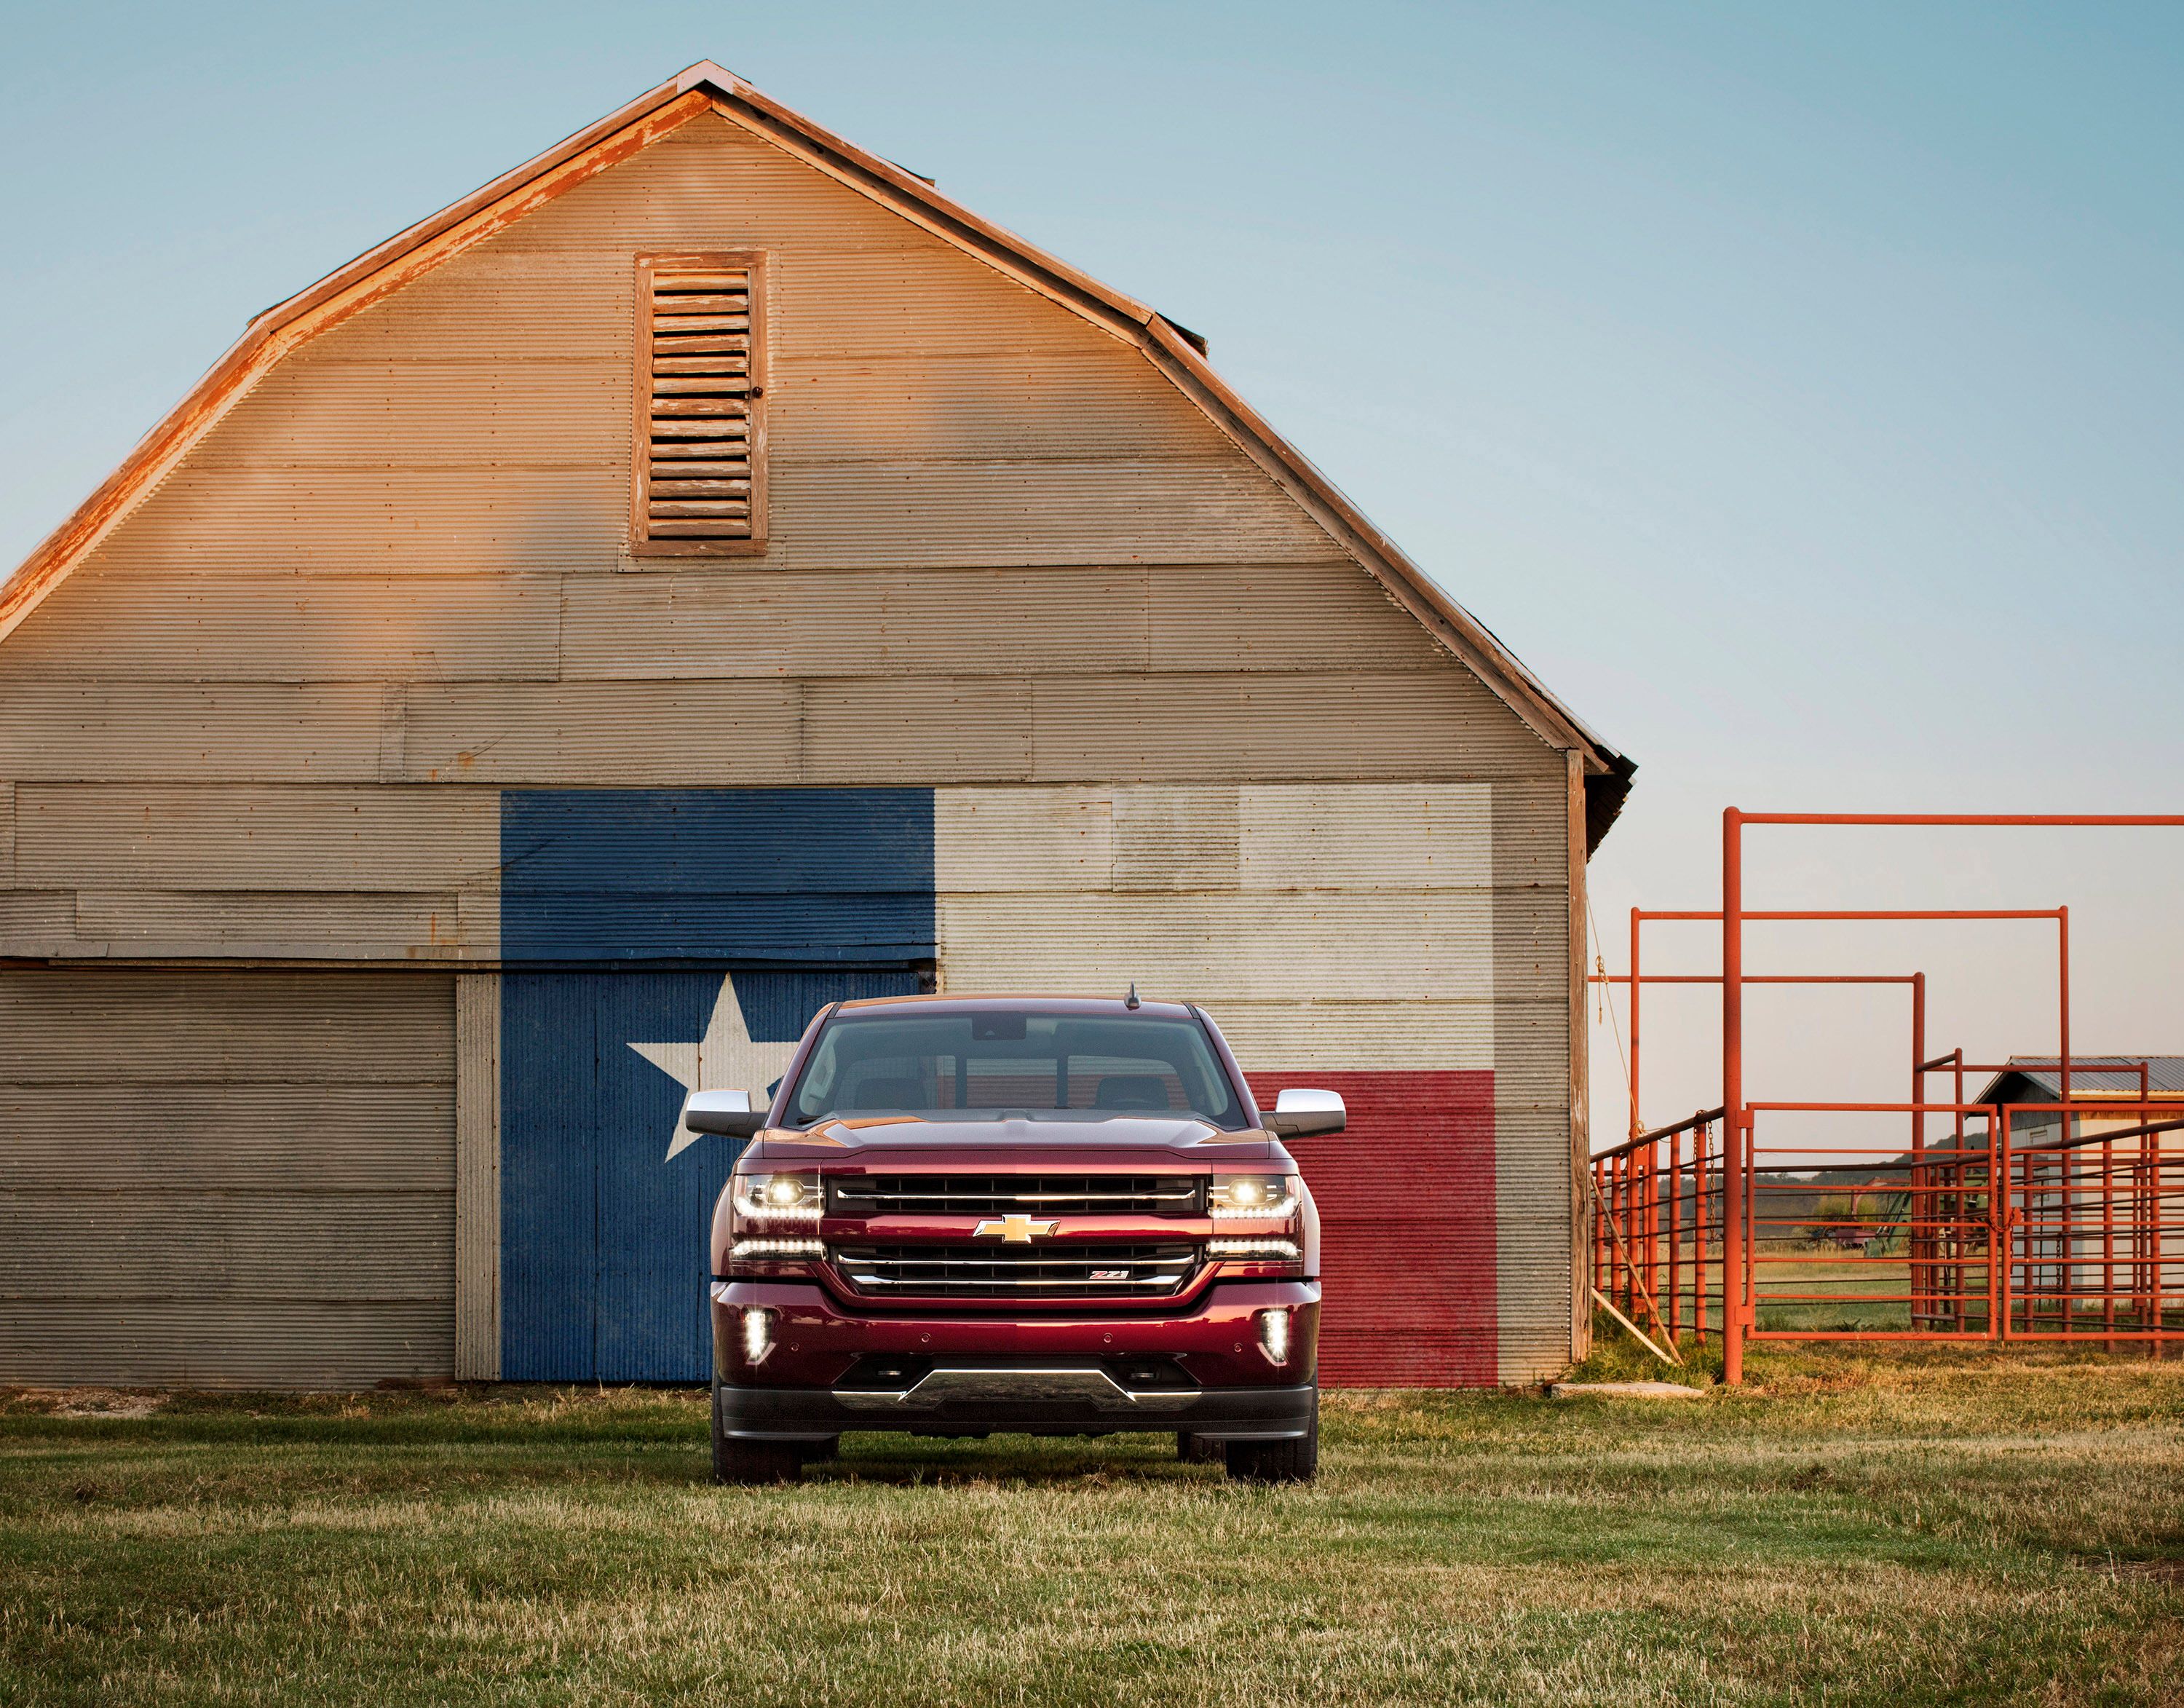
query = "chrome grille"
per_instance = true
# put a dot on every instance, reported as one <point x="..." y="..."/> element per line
<point x="1076" y="1269"/>
<point x="1042" y="1195"/>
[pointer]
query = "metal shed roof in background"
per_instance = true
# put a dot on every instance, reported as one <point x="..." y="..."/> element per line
<point x="2102" y="1075"/>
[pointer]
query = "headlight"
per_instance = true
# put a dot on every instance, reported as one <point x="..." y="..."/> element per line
<point x="1254" y="1197"/>
<point x="779" y="1197"/>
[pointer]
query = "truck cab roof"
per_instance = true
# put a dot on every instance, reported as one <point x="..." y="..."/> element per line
<point x="939" y="1006"/>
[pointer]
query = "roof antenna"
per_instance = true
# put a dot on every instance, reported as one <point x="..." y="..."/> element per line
<point x="1131" y="1000"/>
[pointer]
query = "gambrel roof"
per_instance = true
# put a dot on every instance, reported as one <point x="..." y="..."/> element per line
<point x="706" y="89"/>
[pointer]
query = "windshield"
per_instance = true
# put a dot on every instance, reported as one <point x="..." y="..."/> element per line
<point x="992" y="1063"/>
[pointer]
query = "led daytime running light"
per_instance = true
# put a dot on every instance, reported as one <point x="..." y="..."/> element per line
<point x="777" y="1248"/>
<point x="1252" y="1248"/>
<point x="759" y="1197"/>
<point x="1275" y="1212"/>
<point x="1254" y="1197"/>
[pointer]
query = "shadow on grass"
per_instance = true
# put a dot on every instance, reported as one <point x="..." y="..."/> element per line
<point x="1007" y="1460"/>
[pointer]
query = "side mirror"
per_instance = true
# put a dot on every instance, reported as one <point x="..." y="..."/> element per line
<point x="1299" y="1114"/>
<point x="728" y="1112"/>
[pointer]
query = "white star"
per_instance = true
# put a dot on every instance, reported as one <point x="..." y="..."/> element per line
<point x="725" y="1060"/>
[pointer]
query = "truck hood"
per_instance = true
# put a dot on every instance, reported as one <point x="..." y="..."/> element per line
<point x="884" y="1134"/>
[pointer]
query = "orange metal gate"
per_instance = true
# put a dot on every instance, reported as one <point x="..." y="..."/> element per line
<point x="2027" y="1221"/>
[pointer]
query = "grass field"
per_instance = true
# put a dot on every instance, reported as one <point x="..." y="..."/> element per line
<point x="1932" y="1527"/>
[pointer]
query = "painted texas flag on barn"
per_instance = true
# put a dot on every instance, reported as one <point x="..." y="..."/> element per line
<point x="658" y="941"/>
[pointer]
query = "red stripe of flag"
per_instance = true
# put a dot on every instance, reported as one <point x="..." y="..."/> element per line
<point x="1406" y="1198"/>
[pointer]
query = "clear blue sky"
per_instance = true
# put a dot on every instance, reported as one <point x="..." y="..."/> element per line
<point x="1798" y="389"/>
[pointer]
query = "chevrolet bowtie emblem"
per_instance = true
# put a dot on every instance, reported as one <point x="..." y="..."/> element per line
<point x="1019" y="1231"/>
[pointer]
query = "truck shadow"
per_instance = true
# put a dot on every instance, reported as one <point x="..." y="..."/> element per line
<point x="903" y="1461"/>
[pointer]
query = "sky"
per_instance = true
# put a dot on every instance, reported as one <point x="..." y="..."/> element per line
<point x="1798" y="391"/>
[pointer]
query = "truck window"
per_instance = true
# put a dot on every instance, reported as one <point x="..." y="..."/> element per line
<point x="991" y="1064"/>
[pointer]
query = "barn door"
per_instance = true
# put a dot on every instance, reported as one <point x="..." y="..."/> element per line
<point x="605" y="1200"/>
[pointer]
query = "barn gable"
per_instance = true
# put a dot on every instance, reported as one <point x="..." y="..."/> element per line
<point x="706" y="89"/>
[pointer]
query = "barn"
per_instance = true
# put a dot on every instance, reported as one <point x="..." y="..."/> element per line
<point x="705" y="573"/>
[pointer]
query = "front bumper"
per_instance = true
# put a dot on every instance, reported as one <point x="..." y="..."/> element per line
<point x="825" y="1370"/>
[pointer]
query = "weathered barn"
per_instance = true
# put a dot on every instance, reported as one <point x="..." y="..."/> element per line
<point x="705" y="573"/>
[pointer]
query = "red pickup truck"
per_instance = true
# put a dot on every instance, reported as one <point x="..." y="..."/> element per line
<point x="1053" y="1215"/>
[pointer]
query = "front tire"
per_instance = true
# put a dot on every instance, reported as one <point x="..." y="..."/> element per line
<point x="746" y="1463"/>
<point x="1295" y="1460"/>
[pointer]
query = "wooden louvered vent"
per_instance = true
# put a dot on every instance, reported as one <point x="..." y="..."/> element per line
<point x="700" y="473"/>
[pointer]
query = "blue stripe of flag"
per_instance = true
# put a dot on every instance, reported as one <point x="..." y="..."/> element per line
<point x="810" y="877"/>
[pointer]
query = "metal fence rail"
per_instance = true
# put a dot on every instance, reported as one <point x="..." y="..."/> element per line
<point x="1658" y="1221"/>
<point x="2026" y="1221"/>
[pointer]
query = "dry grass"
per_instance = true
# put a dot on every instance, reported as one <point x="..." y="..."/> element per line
<point x="1921" y="1528"/>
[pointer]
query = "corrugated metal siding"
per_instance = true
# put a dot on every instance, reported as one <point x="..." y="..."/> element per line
<point x="1281" y="617"/>
<point x="92" y="729"/>
<point x="283" y="627"/>
<point x="1368" y="836"/>
<point x="1390" y="946"/>
<point x="287" y="627"/>
<point x="226" y="1178"/>
<point x="1030" y="839"/>
<point x="1197" y="728"/>
<point x="371" y="520"/>
<point x="253" y="1249"/>
<point x="608" y="733"/>
<point x="83" y="1026"/>
<point x="160" y="1343"/>
<point x="146" y="835"/>
<point x="1211" y="508"/>
<point x="920" y="729"/>
<point x="856" y="624"/>
<point x="1454" y="1030"/>
<point x="278" y="925"/>
<point x="1532" y="1131"/>
<point x="1175" y="838"/>
<point x="1224" y="727"/>
<point x="328" y="409"/>
<point x="38" y="922"/>
<point x="227" y="1136"/>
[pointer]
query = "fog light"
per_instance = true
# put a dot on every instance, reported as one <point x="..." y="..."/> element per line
<point x="758" y="1335"/>
<point x="1274" y="1335"/>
